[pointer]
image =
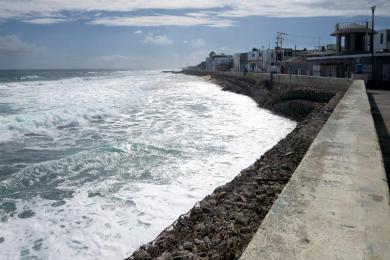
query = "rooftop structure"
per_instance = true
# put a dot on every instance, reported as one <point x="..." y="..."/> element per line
<point x="354" y="35"/>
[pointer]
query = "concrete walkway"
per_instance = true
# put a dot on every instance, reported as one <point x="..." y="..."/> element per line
<point x="336" y="205"/>
<point x="380" y="108"/>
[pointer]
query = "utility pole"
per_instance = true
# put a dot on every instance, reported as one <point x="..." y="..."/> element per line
<point x="279" y="42"/>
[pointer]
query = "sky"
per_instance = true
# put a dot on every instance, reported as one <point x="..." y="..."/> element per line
<point x="160" y="34"/>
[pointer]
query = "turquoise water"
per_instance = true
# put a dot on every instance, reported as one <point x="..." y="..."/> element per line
<point x="95" y="163"/>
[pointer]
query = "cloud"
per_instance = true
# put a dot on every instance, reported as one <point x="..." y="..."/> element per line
<point x="11" y="44"/>
<point x="163" y="20"/>
<point x="138" y="32"/>
<point x="46" y="20"/>
<point x="216" y="13"/>
<point x="158" y="39"/>
<point x="113" y="58"/>
<point x="304" y="8"/>
<point x="195" y="42"/>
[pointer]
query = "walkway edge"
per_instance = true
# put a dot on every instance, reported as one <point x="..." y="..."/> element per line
<point x="336" y="204"/>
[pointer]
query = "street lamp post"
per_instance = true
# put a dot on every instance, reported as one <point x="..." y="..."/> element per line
<point x="372" y="45"/>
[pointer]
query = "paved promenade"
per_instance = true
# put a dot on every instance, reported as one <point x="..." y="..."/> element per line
<point x="336" y="204"/>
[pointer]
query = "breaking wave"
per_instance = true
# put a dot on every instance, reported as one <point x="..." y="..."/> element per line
<point x="94" y="164"/>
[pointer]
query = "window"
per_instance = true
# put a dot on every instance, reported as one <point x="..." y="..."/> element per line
<point x="381" y="38"/>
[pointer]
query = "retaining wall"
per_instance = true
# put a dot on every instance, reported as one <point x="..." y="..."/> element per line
<point x="336" y="204"/>
<point x="305" y="81"/>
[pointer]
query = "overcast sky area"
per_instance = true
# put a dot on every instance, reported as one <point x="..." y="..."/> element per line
<point x="158" y="34"/>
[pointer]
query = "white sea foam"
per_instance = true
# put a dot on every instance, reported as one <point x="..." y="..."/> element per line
<point x="31" y="77"/>
<point x="110" y="162"/>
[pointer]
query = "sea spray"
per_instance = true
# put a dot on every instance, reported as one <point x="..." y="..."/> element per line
<point x="96" y="164"/>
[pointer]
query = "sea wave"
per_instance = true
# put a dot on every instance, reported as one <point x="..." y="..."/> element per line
<point x="49" y="124"/>
<point x="103" y="165"/>
<point x="30" y="77"/>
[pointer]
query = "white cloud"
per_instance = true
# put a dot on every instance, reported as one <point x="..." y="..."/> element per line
<point x="158" y="39"/>
<point x="46" y="20"/>
<point x="23" y="9"/>
<point x="305" y="8"/>
<point x="163" y="20"/>
<point x="195" y="42"/>
<point x="138" y="32"/>
<point x="203" y="11"/>
<point x="113" y="58"/>
<point x="12" y="44"/>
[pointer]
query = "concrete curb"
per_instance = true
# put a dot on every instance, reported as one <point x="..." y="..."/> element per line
<point x="336" y="205"/>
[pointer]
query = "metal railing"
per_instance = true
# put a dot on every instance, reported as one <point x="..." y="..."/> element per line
<point x="353" y="25"/>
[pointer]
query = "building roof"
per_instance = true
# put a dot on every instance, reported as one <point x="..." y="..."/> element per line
<point x="352" y="27"/>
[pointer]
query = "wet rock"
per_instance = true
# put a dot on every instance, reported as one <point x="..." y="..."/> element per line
<point x="221" y="195"/>
<point x="201" y="228"/>
<point x="142" y="255"/>
<point x="242" y="221"/>
<point x="165" y="256"/>
<point x="196" y="211"/>
<point x="187" y="246"/>
<point x="198" y="241"/>
<point x="212" y="202"/>
<point x="206" y="206"/>
<point x="207" y="240"/>
<point x="216" y="240"/>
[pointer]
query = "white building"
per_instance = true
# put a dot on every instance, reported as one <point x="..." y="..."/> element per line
<point x="269" y="60"/>
<point x="382" y="40"/>
<point x="219" y="62"/>
<point x="254" y="61"/>
<point x="223" y="62"/>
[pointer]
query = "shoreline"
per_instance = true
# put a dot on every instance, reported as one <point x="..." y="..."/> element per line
<point x="221" y="225"/>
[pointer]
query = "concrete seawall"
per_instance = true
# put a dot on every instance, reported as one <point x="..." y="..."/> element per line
<point x="291" y="96"/>
<point x="304" y="81"/>
<point x="336" y="204"/>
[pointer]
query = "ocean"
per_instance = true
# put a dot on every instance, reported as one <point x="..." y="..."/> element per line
<point x="94" y="164"/>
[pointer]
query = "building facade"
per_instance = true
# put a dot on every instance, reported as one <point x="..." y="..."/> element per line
<point x="240" y="61"/>
<point x="353" y="58"/>
<point x="220" y="62"/>
<point x="382" y="40"/>
<point x="254" y="63"/>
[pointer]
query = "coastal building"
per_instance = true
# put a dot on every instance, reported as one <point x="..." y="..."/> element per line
<point x="240" y="61"/>
<point x="352" y="37"/>
<point x="269" y="60"/>
<point x="297" y="66"/>
<point x="274" y="60"/>
<point x="219" y="62"/>
<point x="251" y="61"/>
<point x="254" y="63"/>
<point x="382" y="40"/>
<point x="353" y="57"/>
